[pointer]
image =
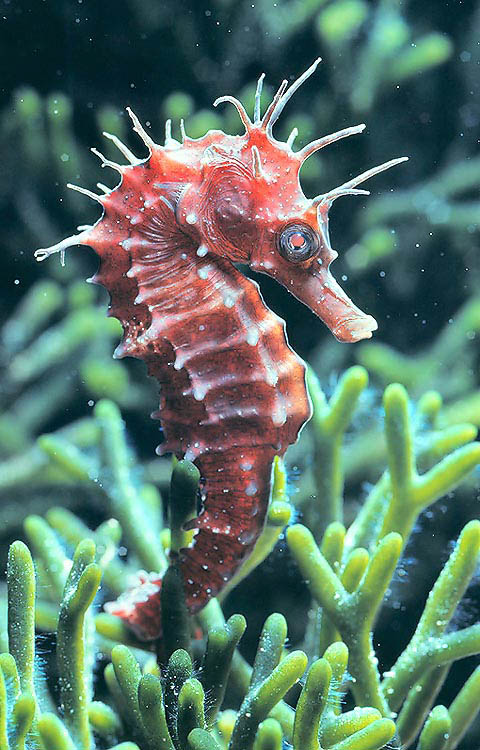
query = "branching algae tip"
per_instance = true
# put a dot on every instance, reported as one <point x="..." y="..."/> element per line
<point x="232" y="392"/>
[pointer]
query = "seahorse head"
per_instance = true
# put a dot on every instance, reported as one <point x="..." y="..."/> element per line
<point x="248" y="206"/>
<point x="238" y="197"/>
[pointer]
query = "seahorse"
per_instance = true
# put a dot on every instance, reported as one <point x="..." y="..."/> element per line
<point x="232" y="392"/>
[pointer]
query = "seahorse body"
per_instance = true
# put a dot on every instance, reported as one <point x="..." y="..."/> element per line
<point x="232" y="391"/>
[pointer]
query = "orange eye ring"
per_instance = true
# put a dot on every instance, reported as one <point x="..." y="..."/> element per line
<point x="297" y="242"/>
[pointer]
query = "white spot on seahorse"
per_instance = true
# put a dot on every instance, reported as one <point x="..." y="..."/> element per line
<point x="202" y="251"/>
<point x="203" y="272"/>
<point x="191" y="218"/>
<point x="127" y="244"/>
<point x="272" y="374"/>
<point x="229" y="297"/>
<point x="252" y="336"/>
<point x="246" y="466"/>
<point x="179" y="361"/>
<point x="279" y="415"/>
<point x="251" y="489"/>
<point x="199" y="392"/>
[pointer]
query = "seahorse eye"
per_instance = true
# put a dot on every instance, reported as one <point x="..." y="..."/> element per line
<point x="297" y="242"/>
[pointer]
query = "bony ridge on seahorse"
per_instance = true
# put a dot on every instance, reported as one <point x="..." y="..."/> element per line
<point x="232" y="391"/>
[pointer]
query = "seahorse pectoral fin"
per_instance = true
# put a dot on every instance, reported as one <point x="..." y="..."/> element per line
<point x="315" y="286"/>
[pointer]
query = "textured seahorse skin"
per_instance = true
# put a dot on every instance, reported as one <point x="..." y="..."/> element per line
<point x="232" y="392"/>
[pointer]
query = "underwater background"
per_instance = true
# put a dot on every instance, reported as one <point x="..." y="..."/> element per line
<point x="408" y="255"/>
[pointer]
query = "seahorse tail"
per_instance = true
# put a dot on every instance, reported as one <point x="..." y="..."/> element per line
<point x="235" y="491"/>
<point x="235" y="488"/>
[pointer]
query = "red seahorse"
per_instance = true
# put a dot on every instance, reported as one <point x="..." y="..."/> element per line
<point x="232" y="391"/>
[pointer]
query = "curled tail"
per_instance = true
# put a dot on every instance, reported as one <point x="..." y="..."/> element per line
<point x="235" y="488"/>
